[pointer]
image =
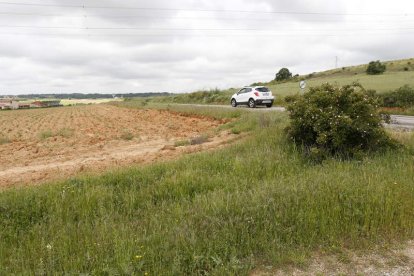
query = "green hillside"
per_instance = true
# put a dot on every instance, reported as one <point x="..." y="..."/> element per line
<point x="398" y="74"/>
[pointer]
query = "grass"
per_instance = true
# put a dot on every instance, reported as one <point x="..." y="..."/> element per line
<point x="46" y="134"/>
<point x="396" y="76"/>
<point x="182" y="143"/>
<point x="227" y="212"/>
<point x="128" y="136"/>
<point x="381" y="83"/>
<point x="64" y="132"/>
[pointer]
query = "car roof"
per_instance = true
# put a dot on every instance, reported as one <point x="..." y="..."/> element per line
<point x="254" y="86"/>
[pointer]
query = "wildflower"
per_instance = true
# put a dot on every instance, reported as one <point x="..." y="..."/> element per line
<point x="49" y="247"/>
<point x="138" y="257"/>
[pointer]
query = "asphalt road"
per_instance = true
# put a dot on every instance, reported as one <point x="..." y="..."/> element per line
<point x="403" y="122"/>
<point x="397" y="121"/>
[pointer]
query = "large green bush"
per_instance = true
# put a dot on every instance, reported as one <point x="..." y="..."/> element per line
<point x="283" y="74"/>
<point x="336" y="121"/>
<point x="376" y="68"/>
<point x="402" y="97"/>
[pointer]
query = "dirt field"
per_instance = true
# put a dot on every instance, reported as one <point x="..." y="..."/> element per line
<point x="47" y="144"/>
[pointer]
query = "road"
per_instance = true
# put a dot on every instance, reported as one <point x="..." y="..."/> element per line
<point x="402" y="122"/>
<point x="397" y="121"/>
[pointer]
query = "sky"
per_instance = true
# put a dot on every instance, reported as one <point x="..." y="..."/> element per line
<point x="180" y="46"/>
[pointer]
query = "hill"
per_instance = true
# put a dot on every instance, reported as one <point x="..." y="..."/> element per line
<point x="398" y="74"/>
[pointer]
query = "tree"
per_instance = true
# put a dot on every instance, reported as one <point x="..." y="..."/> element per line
<point x="283" y="74"/>
<point x="376" y="68"/>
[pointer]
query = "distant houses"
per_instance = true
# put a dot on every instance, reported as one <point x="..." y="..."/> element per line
<point x="7" y="104"/>
<point x="44" y="104"/>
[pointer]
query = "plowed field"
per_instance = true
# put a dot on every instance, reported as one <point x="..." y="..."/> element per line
<point x="45" y="144"/>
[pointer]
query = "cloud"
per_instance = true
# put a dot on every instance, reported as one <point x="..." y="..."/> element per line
<point x="185" y="45"/>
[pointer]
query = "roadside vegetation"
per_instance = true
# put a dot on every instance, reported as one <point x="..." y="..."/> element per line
<point x="256" y="203"/>
<point x="398" y="74"/>
<point x="337" y="121"/>
<point x="399" y="101"/>
<point x="214" y="96"/>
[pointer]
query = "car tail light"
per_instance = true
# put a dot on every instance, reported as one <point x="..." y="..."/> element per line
<point x="257" y="94"/>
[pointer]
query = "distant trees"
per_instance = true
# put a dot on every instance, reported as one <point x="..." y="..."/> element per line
<point x="376" y="68"/>
<point x="283" y="74"/>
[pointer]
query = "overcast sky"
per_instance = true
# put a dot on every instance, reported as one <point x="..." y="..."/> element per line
<point x="114" y="46"/>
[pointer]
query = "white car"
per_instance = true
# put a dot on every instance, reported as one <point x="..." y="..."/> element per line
<point x="253" y="96"/>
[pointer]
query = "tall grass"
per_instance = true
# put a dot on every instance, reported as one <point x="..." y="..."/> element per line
<point x="225" y="212"/>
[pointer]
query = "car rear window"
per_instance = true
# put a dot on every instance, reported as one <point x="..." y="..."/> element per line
<point x="262" y="89"/>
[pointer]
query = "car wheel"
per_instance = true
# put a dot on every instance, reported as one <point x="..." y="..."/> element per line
<point x="269" y="105"/>
<point x="252" y="103"/>
<point x="233" y="103"/>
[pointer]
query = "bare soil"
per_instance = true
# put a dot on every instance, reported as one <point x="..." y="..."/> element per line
<point x="49" y="144"/>
<point x="390" y="262"/>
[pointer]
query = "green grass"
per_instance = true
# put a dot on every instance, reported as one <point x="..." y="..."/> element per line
<point x="214" y="96"/>
<point x="393" y="78"/>
<point x="221" y="213"/>
<point x="46" y="134"/>
<point x="64" y="132"/>
<point x="128" y="136"/>
<point x="381" y="83"/>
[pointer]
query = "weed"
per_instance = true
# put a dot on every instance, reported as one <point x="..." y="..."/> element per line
<point x="235" y="131"/>
<point x="46" y="134"/>
<point x="182" y="143"/>
<point x="127" y="136"/>
<point x="264" y="121"/>
<point x="65" y="132"/>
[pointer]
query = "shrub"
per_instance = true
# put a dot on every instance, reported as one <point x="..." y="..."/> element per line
<point x="127" y="136"/>
<point x="182" y="143"/>
<point x="405" y="68"/>
<point x="376" y="68"/>
<point x="336" y="121"/>
<point x="290" y="98"/>
<point x="402" y="97"/>
<point x="283" y="74"/>
<point x="46" y="134"/>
